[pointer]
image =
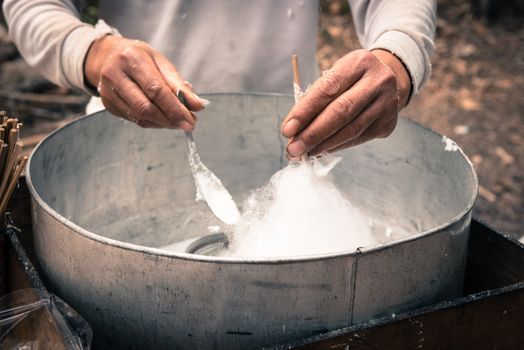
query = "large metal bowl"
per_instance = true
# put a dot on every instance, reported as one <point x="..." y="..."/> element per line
<point x="106" y="193"/>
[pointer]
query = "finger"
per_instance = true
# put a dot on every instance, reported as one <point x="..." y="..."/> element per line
<point x="338" y="122"/>
<point x="148" y="125"/>
<point x="365" y="137"/>
<point x="176" y="83"/>
<point x="112" y="107"/>
<point x="377" y="120"/>
<point x="114" y="82"/>
<point x="145" y="73"/>
<point x="374" y="111"/>
<point x="379" y="129"/>
<point x="141" y="110"/>
<point x="116" y="105"/>
<point x="147" y="114"/>
<point x="119" y="108"/>
<point x="344" y="73"/>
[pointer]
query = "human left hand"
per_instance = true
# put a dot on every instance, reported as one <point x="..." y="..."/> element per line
<point x="355" y="101"/>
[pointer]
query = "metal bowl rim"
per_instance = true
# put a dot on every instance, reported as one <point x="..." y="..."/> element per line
<point x="238" y="260"/>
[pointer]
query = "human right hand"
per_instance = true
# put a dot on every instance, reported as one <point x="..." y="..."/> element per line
<point x="138" y="83"/>
<point x="355" y="101"/>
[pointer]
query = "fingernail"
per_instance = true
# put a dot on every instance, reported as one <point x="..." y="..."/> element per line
<point x="184" y="125"/>
<point x="291" y="128"/>
<point x="204" y="101"/>
<point x="296" y="148"/>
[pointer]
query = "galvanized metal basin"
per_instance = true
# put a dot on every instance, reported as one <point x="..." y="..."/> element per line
<point x="106" y="193"/>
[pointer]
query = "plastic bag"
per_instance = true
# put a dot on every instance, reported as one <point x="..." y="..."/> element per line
<point x="30" y="321"/>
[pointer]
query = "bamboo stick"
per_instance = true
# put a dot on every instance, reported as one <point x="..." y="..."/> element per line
<point x="296" y="72"/>
<point x="12" y="183"/>
<point x="14" y="124"/>
<point x="9" y="168"/>
<point x="12" y="163"/>
<point x="11" y="145"/>
<point x="3" y="154"/>
<point x="11" y="141"/>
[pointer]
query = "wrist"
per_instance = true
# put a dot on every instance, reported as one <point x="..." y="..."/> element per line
<point x="96" y="55"/>
<point x="401" y="73"/>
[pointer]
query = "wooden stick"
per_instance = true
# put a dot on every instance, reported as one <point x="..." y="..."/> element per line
<point x="296" y="72"/>
<point x="11" y="141"/>
<point x="11" y="144"/>
<point x="8" y="125"/>
<point x="14" y="123"/>
<point x="297" y="88"/>
<point x="3" y="153"/>
<point x="11" y="187"/>
<point x="7" y="176"/>
<point x="9" y="168"/>
<point x="11" y="164"/>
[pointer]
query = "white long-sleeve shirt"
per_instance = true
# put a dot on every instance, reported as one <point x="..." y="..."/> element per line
<point x="219" y="45"/>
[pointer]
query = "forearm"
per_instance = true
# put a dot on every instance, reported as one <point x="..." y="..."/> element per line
<point x="403" y="27"/>
<point x="51" y="38"/>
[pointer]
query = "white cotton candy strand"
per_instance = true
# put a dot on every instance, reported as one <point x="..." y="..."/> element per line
<point x="299" y="212"/>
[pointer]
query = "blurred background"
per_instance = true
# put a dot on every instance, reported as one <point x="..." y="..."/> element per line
<point x="475" y="95"/>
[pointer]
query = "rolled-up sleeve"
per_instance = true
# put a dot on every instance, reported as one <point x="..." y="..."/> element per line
<point x="51" y="38"/>
<point x="405" y="28"/>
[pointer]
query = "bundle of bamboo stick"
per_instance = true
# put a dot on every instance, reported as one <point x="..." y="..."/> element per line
<point x="12" y="162"/>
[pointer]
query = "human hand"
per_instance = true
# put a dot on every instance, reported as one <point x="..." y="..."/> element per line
<point x="357" y="100"/>
<point x="138" y="83"/>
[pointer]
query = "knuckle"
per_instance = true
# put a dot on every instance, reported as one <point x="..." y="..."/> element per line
<point x="108" y="75"/>
<point x="144" y="110"/>
<point x="311" y="137"/>
<point x="389" y="79"/>
<point x="127" y="54"/>
<point x="364" y="58"/>
<point x="343" y="108"/>
<point x="105" y="73"/>
<point x="153" y="89"/>
<point x="330" y="84"/>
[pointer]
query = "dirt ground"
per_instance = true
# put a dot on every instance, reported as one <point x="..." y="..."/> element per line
<point x="475" y="96"/>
